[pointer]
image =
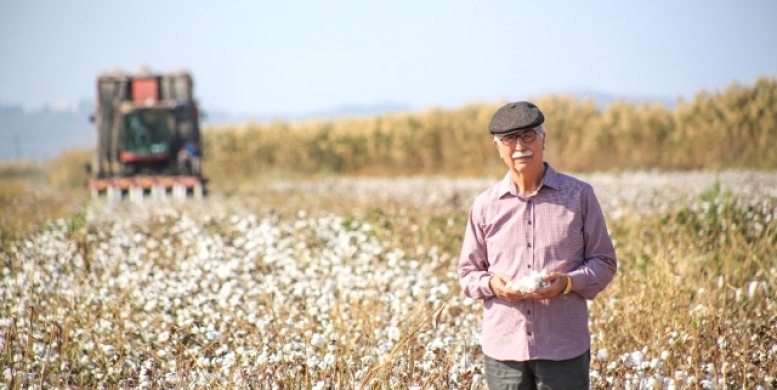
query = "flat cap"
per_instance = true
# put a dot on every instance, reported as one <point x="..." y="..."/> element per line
<point x="515" y="116"/>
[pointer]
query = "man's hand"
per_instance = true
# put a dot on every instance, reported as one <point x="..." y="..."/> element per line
<point x="498" y="284"/>
<point x="556" y="282"/>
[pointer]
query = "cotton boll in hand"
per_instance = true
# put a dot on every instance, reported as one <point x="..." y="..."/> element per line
<point x="528" y="283"/>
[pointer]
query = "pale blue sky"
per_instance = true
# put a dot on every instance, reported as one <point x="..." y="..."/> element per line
<point x="293" y="57"/>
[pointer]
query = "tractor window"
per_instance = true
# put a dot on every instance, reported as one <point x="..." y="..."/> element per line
<point x="147" y="132"/>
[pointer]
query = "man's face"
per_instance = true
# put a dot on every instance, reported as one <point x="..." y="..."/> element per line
<point x="522" y="151"/>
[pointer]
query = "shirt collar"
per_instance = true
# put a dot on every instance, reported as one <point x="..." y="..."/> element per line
<point x="550" y="180"/>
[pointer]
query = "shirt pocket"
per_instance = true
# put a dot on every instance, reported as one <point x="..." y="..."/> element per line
<point x="502" y="241"/>
<point x="563" y="241"/>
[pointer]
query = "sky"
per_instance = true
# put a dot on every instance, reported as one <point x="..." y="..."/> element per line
<point x="286" y="58"/>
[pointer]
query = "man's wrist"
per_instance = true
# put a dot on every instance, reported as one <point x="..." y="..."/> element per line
<point x="568" y="288"/>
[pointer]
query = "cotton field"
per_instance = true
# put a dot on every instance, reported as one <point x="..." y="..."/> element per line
<point x="351" y="284"/>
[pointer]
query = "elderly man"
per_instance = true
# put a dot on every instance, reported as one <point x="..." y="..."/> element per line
<point x="536" y="247"/>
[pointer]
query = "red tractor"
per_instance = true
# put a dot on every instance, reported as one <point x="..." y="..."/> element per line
<point x="148" y="136"/>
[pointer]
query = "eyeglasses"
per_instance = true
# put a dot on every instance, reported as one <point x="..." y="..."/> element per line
<point x="526" y="136"/>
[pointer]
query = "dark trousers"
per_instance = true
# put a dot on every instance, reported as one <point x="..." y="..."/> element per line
<point x="572" y="374"/>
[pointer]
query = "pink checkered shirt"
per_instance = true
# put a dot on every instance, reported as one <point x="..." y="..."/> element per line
<point x="560" y="228"/>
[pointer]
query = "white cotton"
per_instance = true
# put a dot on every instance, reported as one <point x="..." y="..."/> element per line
<point x="528" y="283"/>
<point x="317" y="340"/>
<point x="751" y="289"/>
<point x="601" y="355"/>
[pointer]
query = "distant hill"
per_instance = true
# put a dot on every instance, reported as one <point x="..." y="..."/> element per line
<point x="218" y="117"/>
<point x="44" y="134"/>
<point x="603" y="99"/>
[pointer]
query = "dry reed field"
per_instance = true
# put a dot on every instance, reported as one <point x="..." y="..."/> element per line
<point x="350" y="283"/>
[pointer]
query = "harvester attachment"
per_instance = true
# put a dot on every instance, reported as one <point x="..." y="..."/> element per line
<point x="139" y="188"/>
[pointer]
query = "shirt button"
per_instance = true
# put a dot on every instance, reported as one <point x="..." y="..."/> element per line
<point x="529" y="222"/>
<point x="529" y="265"/>
<point x="529" y="245"/>
<point x="528" y="333"/>
<point x="528" y="312"/>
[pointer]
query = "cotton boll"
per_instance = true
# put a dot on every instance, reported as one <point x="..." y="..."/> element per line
<point x="528" y="283"/>
<point x="635" y="359"/>
<point x="367" y="360"/>
<point x="649" y="384"/>
<point x="108" y="349"/>
<point x="601" y="355"/>
<point x="330" y="360"/>
<point x="393" y="333"/>
<point x="317" y="340"/>
<point x="751" y="289"/>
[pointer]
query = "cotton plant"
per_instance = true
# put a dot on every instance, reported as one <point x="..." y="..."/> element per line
<point x="213" y="295"/>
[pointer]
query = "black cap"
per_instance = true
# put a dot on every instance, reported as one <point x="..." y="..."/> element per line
<point x="515" y="116"/>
